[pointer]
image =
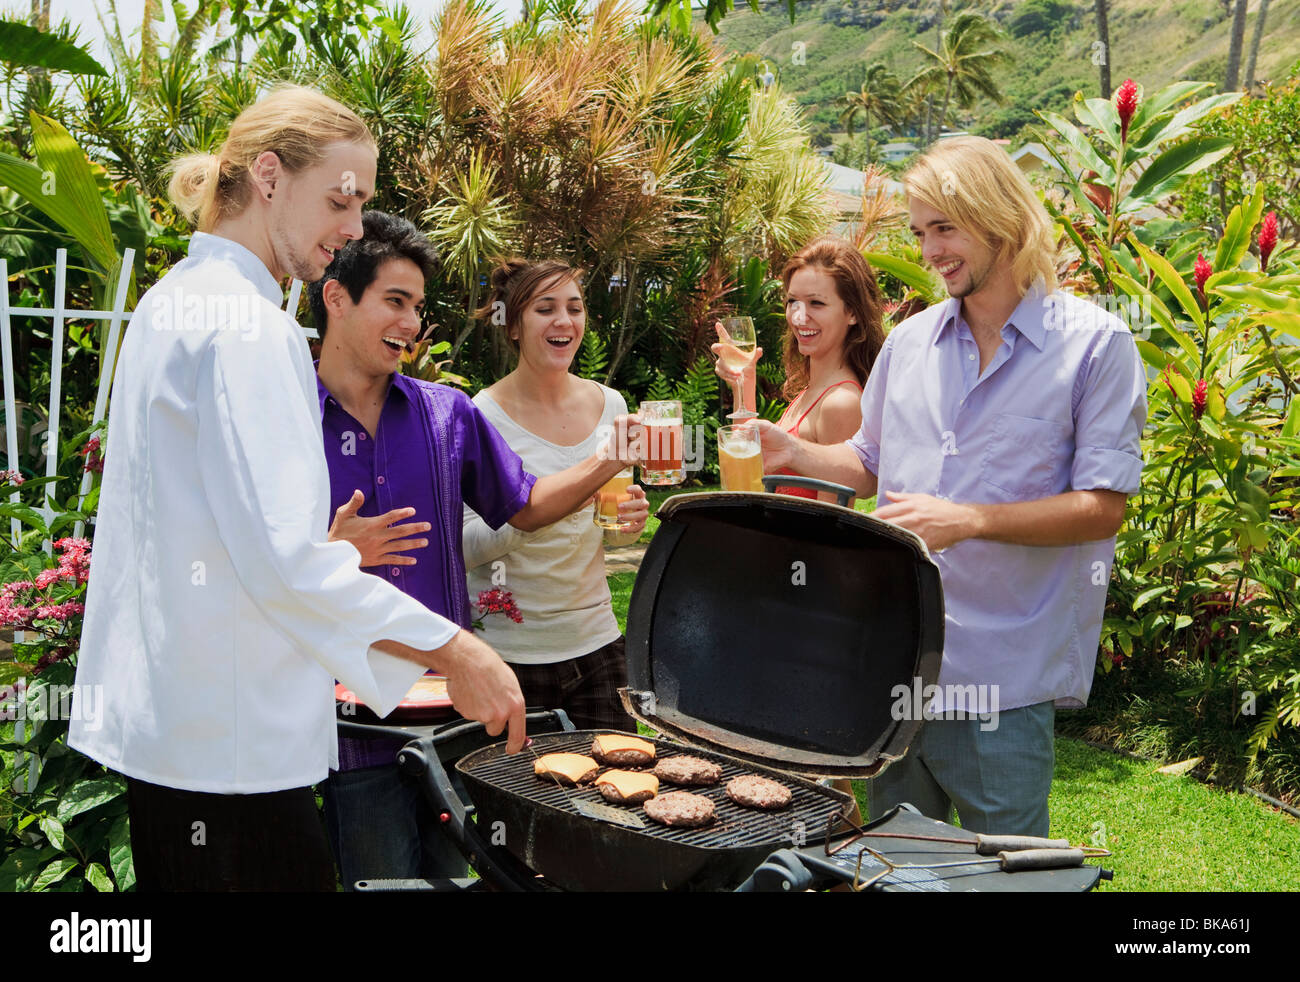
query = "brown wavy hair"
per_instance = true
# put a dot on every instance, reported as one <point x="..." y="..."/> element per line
<point x="514" y="283"/>
<point x="856" y="286"/>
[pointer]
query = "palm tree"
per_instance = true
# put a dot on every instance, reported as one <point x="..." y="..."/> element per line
<point x="1238" y="37"/>
<point x="1254" y="43"/>
<point x="879" y="99"/>
<point x="963" y="63"/>
<point x="1103" y="35"/>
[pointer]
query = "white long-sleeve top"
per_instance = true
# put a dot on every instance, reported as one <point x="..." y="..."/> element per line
<point x="217" y="615"/>
<point x="557" y="573"/>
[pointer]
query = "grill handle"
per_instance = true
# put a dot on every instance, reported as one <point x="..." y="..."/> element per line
<point x="842" y="493"/>
<point x="424" y="757"/>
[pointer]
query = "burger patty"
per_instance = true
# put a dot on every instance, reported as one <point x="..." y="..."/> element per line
<point x="752" y="791"/>
<point x="645" y="787"/>
<point x="688" y="771"/>
<point x="623" y="758"/>
<point x="680" y="809"/>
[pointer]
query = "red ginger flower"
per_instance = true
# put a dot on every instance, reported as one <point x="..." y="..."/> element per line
<point x="1126" y="103"/>
<point x="1202" y="272"/>
<point x="1199" y="395"/>
<point x="94" y="458"/>
<point x="1267" y="240"/>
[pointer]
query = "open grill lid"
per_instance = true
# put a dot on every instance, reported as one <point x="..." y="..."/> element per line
<point x="778" y="629"/>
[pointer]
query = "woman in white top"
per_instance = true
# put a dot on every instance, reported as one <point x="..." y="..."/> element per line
<point x="568" y="652"/>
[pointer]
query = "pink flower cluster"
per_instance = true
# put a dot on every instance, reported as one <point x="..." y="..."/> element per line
<point x="21" y="603"/>
<point x="11" y="477"/>
<point x="499" y="602"/>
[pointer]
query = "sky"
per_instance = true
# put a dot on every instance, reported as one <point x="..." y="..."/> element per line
<point x="82" y="13"/>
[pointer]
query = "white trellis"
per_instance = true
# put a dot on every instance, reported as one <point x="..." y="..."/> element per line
<point x="58" y="314"/>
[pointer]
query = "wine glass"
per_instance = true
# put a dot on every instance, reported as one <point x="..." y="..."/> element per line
<point x="736" y="352"/>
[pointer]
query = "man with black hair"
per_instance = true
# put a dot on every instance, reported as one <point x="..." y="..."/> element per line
<point x="405" y="456"/>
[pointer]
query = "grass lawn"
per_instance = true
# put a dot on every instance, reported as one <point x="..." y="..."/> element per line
<point x="1166" y="833"/>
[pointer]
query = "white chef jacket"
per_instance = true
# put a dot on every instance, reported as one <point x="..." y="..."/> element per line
<point x="217" y="616"/>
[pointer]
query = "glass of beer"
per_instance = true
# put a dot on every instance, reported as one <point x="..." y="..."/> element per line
<point x="662" y="463"/>
<point x="608" y="498"/>
<point x="740" y="457"/>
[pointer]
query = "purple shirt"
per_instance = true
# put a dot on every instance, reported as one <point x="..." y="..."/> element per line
<point x="1059" y="408"/>
<point x="435" y="452"/>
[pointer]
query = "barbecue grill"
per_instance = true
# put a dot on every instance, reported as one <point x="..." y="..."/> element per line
<point x="765" y="633"/>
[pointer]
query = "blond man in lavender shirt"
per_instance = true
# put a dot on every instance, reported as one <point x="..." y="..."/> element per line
<point x="1002" y="427"/>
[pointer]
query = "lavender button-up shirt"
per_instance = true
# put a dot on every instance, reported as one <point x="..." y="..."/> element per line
<point x="1059" y="408"/>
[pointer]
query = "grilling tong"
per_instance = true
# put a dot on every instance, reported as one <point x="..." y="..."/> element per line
<point x="1011" y="853"/>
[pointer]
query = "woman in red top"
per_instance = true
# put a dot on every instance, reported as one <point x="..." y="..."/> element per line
<point x="833" y="334"/>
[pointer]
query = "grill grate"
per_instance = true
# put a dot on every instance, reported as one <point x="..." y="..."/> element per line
<point x="803" y="821"/>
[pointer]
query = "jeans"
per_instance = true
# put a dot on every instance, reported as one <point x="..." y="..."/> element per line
<point x="381" y="826"/>
<point x="998" y="779"/>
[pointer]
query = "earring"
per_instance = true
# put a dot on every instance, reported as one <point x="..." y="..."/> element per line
<point x="268" y="195"/>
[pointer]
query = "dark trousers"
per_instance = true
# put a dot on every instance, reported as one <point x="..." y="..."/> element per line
<point x="585" y="688"/>
<point x="194" y="841"/>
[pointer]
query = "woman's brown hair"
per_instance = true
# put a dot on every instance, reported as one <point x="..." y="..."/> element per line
<point x="294" y="122"/>
<point x="855" y="284"/>
<point x="513" y="284"/>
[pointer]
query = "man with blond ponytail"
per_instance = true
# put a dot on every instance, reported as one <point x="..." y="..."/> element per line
<point x="218" y="615"/>
<point x="1002" y="427"/>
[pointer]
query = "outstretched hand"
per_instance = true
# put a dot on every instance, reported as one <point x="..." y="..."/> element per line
<point x="724" y="373"/>
<point x="379" y="541"/>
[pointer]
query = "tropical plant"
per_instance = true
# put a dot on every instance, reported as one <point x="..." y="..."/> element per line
<point x="1202" y="572"/>
<point x="878" y="99"/>
<point x="1135" y="154"/>
<point x="963" y="64"/>
<point x="63" y="821"/>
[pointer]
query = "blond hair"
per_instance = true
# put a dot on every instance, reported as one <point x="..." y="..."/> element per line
<point x="974" y="182"/>
<point x="294" y="122"/>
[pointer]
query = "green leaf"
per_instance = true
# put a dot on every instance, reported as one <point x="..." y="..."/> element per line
<point x="53" y="873"/>
<point x="1181" y="621"/>
<point x="86" y="795"/>
<point x="1158" y="102"/>
<point x="53" y="830"/>
<point x="1099" y="114"/>
<point x="1182" y="387"/>
<point x="905" y="271"/>
<point x="1292" y="424"/>
<point x="119" y="853"/>
<point x="1237" y="231"/>
<point x="27" y="47"/>
<point x="1260" y="297"/>
<point x="1167" y="275"/>
<point x="1171" y="166"/>
<point x="98" y="879"/>
<point x="1152" y="355"/>
<point x="1180" y="122"/>
<point x="1150" y="594"/>
<point x="1214" y="403"/>
<point x="75" y="189"/>
<point x="25" y="514"/>
<point x="1081" y="146"/>
<point x="20" y="867"/>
